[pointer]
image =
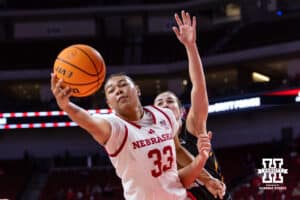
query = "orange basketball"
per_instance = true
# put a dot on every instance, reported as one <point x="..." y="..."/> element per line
<point x="82" y="69"/>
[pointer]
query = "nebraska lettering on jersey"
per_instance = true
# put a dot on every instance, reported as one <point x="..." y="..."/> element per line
<point x="152" y="140"/>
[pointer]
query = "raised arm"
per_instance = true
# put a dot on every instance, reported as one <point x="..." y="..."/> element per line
<point x="186" y="34"/>
<point x="197" y="116"/>
<point x="99" y="128"/>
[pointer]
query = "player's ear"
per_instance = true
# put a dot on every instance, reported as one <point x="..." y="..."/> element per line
<point x="138" y="90"/>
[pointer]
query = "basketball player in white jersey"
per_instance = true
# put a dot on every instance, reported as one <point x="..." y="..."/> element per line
<point x="139" y="141"/>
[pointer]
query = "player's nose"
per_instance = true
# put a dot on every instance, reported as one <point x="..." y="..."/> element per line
<point x="119" y="91"/>
<point x="165" y="104"/>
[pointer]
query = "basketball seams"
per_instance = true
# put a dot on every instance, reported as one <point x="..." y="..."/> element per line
<point x="80" y="84"/>
<point x="94" y="65"/>
<point x="89" y="91"/>
<point x="75" y="66"/>
<point x="92" y="61"/>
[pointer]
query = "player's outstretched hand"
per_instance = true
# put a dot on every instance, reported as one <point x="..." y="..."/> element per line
<point x="62" y="95"/>
<point x="186" y="28"/>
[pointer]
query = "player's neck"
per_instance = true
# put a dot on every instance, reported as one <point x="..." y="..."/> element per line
<point x="133" y="115"/>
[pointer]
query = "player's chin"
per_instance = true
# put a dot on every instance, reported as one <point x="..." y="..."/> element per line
<point x="124" y="105"/>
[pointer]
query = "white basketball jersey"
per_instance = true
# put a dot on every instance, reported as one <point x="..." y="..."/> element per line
<point x="143" y="154"/>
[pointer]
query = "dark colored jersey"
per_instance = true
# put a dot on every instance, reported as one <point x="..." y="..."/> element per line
<point x="189" y="142"/>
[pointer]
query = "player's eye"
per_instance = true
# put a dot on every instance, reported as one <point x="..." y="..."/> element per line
<point x="123" y="84"/>
<point x="159" y="103"/>
<point x="170" y="101"/>
<point x="109" y="91"/>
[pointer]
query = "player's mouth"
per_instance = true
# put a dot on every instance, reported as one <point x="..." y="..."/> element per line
<point x="122" y="99"/>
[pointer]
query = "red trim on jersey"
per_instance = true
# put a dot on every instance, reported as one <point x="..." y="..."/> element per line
<point x="153" y="116"/>
<point x="122" y="145"/>
<point x="168" y="118"/>
<point x="191" y="196"/>
<point x="130" y="122"/>
<point x="134" y="124"/>
<point x="138" y="126"/>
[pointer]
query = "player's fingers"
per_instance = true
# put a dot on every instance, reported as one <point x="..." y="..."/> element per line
<point x="205" y="144"/>
<point x="188" y="18"/>
<point x="194" y="23"/>
<point x="203" y="139"/>
<point x="215" y="194"/>
<point x="178" y="20"/>
<point x="66" y="92"/>
<point x="223" y="188"/>
<point x="221" y="191"/>
<point x="176" y="31"/>
<point x="53" y="81"/>
<point x="58" y="88"/>
<point x="204" y="150"/>
<point x="220" y="195"/>
<point x="183" y="16"/>
<point x="60" y="94"/>
<point x="59" y="83"/>
<point x="207" y="147"/>
<point x="209" y="134"/>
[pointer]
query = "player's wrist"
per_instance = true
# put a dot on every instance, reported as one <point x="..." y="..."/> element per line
<point x="200" y="161"/>
<point x="208" y="180"/>
<point x="69" y="107"/>
<point x="191" y="45"/>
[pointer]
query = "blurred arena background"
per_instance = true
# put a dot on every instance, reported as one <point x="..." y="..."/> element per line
<point x="250" y="51"/>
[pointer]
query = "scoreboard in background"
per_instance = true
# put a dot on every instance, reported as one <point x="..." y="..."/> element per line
<point x="55" y="119"/>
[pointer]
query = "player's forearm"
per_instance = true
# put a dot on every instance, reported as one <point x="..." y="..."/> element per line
<point x="183" y="157"/>
<point x="204" y="176"/>
<point x="197" y="117"/>
<point x="78" y="115"/>
<point x="190" y="173"/>
<point x="197" y="77"/>
<point x="195" y="66"/>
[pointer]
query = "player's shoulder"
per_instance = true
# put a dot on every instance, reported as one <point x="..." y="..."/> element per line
<point x="106" y="117"/>
<point x="165" y="111"/>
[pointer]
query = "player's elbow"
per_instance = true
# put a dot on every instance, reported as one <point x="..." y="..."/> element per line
<point x="197" y="128"/>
